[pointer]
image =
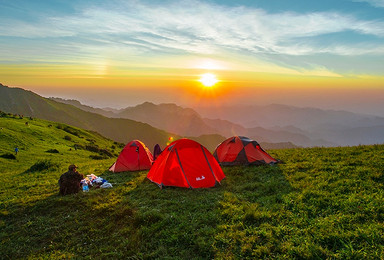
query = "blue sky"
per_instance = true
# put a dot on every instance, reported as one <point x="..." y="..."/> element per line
<point x="340" y="38"/>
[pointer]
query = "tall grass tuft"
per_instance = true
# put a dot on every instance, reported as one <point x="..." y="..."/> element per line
<point x="43" y="165"/>
<point x="8" y="156"/>
<point x="52" y="151"/>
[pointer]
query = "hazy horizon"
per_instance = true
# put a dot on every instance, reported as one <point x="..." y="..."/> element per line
<point x="327" y="54"/>
<point x="111" y="99"/>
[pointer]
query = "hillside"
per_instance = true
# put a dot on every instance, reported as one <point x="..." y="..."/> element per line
<point x="41" y="139"/>
<point x="77" y="104"/>
<point x="226" y="127"/>
<point x="322" y="203"/>
<point x="211" y="141"/>
<point x="27" y="103"/>
<point x="173" y="118"/>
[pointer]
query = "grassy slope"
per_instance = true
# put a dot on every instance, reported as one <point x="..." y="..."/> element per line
<point x="323" y="202"/>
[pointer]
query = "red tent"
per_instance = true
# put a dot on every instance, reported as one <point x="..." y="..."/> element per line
<point x="134" y="157"/>
<point x="240" y="150"/>
<point x="186" y="163"/>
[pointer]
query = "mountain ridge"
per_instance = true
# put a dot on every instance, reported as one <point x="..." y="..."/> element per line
<point x="27" y="103"/>
<point x="305" y="127"/>
<point x="187" y="122"/>
<point x="335" y="127"/>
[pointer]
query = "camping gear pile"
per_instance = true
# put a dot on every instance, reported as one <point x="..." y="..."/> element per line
<point x="95" y="182"/>
<point x="186" y="163"/>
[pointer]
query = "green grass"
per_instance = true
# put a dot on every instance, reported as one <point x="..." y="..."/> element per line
<point x="321" y="203"/>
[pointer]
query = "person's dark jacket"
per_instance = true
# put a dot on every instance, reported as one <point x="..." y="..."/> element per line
<point x="70" y="182"/>
<point x="156" y="151"/>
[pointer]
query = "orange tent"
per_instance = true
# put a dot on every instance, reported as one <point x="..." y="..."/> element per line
<point x="186" y="163"/>
<point x="240" y="150"/>
<point x="134" y="157"/>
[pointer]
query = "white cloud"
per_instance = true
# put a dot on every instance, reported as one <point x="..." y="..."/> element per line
<point x="199" y="28"/>
<point x="204" y="28"/>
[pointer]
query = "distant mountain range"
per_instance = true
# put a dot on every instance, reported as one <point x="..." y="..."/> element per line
<point x="282" y="124"/>
<point x="275" y="126"/>
<point x="187" y="122"/>
<point x="303" y="126"/>
<point x="173" y="118"/>
<point x="27" y="103"/>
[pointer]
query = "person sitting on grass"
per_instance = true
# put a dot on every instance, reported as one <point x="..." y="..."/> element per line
<point x="70" y="181"/>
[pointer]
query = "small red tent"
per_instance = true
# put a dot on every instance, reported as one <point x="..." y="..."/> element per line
<point x="134" y="157"/>
<point x="186" y="163"/>
<point x="240" y="150"/>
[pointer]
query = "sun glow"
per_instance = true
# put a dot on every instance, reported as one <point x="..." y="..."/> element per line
<point x="208" y="79"/>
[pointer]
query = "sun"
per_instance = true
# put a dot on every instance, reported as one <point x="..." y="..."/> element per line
<point x="208" y="79"/>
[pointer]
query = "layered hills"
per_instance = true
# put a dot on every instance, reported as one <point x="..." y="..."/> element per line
<point x="187" y="122"/>
<point x="274" y="126"/>
<point x="311" y="126"/>
<point x="27" y="103"/>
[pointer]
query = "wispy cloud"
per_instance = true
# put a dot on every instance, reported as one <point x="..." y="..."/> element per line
<point x="375" y="3"/>
<point x="195" y="27"/>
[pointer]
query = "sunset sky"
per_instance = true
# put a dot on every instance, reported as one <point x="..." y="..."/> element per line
<point x="327" y="54"/>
